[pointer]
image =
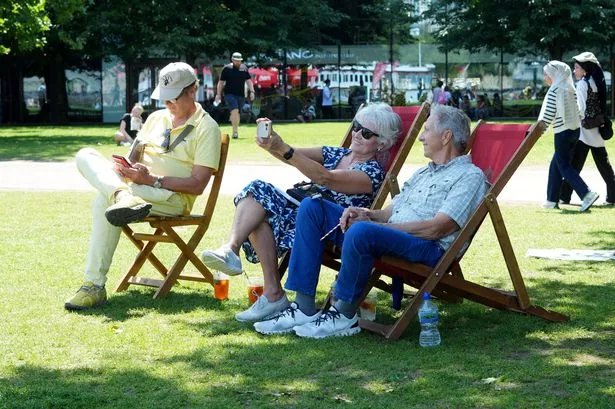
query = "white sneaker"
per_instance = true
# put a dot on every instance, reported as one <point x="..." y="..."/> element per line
<point x="588" y="200"/>
<point x="331" y="323"/>
<point x="285" y="321"/>
<point x="550" y="205"/>
<point x="222" y="259"/>
<point x="263" y="309"/>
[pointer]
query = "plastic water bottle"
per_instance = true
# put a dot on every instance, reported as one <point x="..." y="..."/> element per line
<point x="428" y="317"/>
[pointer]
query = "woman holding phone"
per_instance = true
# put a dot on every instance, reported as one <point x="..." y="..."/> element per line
<point x="264" y="223"/>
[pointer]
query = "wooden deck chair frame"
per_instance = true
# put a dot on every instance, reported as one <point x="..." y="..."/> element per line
<point x="332" y="255"/>
<point x="446" y="279"/>
<point x="390" y="185"/>
<point x="164" y="232"/>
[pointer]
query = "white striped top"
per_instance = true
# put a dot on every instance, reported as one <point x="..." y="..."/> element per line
<point x="560" y="109"/>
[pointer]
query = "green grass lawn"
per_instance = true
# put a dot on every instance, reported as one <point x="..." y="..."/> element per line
<point x="61" y="143"/>
<point x="187" y="351"/>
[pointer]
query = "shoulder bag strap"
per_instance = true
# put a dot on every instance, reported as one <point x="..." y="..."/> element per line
<point x="181" y="137"/>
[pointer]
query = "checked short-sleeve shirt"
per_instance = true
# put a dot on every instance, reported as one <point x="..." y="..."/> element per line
<point x="455" y="189"/>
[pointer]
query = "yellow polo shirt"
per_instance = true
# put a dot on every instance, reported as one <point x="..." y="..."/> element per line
<point x="200" y="147"/>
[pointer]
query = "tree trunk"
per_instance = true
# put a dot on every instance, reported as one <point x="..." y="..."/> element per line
<point x="12" y="104"/>
<point x="57" y="100"/>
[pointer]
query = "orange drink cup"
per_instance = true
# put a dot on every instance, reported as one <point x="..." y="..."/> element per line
<point x="367" y="309"/>
<point x="221" y="286"/>
<point x="255" y="288"/>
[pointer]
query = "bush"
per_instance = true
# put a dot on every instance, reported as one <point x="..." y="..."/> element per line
<point x="398" y="99"/>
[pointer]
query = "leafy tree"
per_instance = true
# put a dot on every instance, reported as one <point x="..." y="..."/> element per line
<point x="23" y="24"/>
<point x="201" y="28"/>
<point x="83" y="31"/>
<point x="371" y="22"/>
<point x="474" y="25"/>
<point x="549" y="27"/>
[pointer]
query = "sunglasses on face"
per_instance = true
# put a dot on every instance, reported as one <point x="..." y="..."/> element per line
<point x="167" y="138"/>
<point x="366" y="133"/>
<point x="174" y="100"/>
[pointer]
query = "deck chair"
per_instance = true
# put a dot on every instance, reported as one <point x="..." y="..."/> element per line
<point x="164" y="232"/>
<point x="331" y="256"/>
<point x="498" y="149"/>
<point x="413" y="118"/>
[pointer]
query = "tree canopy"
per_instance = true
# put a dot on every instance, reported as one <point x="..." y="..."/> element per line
<point x="23" y="24"/>
<point x="96" y="28"/>
<point x="549" y="27"/>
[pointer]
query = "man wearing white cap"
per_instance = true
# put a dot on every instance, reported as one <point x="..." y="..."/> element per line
<point x="233" y="78"/>
<point x="180" y="151"/>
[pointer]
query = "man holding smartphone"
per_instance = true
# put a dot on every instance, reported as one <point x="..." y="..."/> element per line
<point x="181" y="150"/>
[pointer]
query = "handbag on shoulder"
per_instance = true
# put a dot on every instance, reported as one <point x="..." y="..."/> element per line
<point x="606" y="130"/>
<point x="594" y="117"/>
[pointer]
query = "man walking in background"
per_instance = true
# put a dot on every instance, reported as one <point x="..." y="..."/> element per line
<point x="232" y="80"/>
<point x="327" y="101"/>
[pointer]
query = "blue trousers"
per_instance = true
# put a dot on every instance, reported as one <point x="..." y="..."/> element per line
<point x="561" y="167"/>
<point x="362" y="243"/>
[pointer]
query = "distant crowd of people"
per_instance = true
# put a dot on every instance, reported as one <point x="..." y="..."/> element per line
<point x="474" y="106"/>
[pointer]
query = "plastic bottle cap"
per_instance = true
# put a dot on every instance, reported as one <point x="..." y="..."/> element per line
<point x="426" y="296"/>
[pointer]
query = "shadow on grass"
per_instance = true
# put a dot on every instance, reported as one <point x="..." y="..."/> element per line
<point x="136" y="303"/>
<point x="500" y="354"/>
<point x="488" y="359"/>
<point x="602" y="240"/>
<point x="57" y="144"/>
<point x="38" y="387"/>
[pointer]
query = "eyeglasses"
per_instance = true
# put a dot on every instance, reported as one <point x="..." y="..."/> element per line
<point x="366" y="133"/>
<point x="167" y="138"/>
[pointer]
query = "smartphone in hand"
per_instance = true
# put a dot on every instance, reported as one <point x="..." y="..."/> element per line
<point x="122" y="161"/>
<point x="263" y="128"/>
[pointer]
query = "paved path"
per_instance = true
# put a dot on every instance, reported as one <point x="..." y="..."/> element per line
<point x="527" y="185"/>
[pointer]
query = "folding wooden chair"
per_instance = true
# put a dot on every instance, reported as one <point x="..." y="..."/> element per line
<point x="164" y="232"/>
<point x="498" y="149"/>
<point x="413" y="118"/>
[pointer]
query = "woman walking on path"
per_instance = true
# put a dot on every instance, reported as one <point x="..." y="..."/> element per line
<point x="560" y="109"/>
<point x="590" y="77"/>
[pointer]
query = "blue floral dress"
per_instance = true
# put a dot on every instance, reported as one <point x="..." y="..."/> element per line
<point x="281" y="213"/>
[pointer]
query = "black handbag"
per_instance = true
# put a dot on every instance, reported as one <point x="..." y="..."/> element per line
<point x="606" y="130"/>
<point x="301" y="190"/>
<point x="594" y="117"/>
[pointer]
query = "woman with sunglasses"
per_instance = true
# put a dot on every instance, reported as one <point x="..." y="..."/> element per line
<point x="264" y="223"/>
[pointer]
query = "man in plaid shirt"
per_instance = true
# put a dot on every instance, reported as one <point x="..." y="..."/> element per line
<point x="419" y="225"/>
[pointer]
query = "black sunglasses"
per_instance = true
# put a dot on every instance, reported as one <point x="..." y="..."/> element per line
<point x="167" y="138"/>
<point x="174" y="100"/>
<point x="366" y="133"/>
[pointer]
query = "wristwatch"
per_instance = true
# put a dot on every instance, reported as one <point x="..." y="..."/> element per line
<point x="289" y="154"/>
<point x="158" y="182"/>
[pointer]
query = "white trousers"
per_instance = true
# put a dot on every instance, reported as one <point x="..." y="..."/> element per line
<point x="99" y="172"/>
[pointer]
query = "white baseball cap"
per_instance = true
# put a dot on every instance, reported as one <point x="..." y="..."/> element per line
<point x="586" y="57"/>
<point x="237" y="57"/>
<point x="172" y="80"/>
